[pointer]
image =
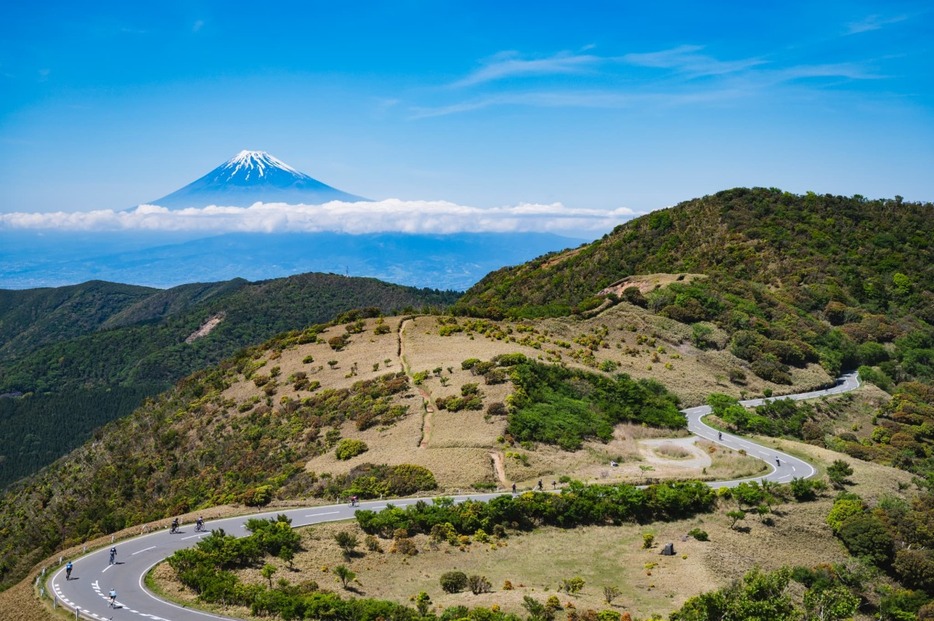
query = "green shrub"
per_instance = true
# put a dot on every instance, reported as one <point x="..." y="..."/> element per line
<point x="844" y="507"/>
<point x="374" y="481"/>
<point x="348" y="448"/>
<point x="453" y="581"/>
<point x="572" y="585"/>
<point x="866" y="536"/>
<point x="804" y="490"/>
<point x="562" y="406"/>
<point x="700" y="535"/>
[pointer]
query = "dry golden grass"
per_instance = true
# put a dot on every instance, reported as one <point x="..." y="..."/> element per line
<point x="464" y="448"/>
<point x="457" y="446"/>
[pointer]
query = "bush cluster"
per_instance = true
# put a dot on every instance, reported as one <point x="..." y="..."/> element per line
<point x="348" y="448"/>
<point x="563" y="406"/>
<point x="376" y="481"/>
<point x="576" y="505"/>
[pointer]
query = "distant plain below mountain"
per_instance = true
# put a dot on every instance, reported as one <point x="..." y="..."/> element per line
<point x="30" y="259"/>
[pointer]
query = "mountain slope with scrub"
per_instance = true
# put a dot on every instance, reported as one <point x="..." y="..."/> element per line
<point x="102" y="348"/>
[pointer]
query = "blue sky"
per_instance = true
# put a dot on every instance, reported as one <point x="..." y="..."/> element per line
<point x="593" y="105"/>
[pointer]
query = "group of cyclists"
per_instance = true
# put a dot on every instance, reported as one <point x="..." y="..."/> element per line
<point x="199" y="525"/>
<point x="112" y="595"/>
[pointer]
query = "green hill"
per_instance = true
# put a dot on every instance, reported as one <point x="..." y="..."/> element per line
<point x="91" y="353"/>
<point x="874" y="255"/>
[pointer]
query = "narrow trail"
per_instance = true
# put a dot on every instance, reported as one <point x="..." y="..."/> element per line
<point x="499" y="469"/>
<point x="425" y="395"/>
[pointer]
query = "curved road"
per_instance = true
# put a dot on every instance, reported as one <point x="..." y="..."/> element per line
<point x="93" y="576"/>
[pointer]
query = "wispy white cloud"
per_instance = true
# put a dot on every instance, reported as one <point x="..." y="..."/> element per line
<point x="873" y="22"/>
<point x="510" y="65"/>
<point x="687" y="59"/>
<point x="393" y="215"/>
<point x="850" y="71"/>
<point x="681" y="75"/>
<point x="540" y="99"/>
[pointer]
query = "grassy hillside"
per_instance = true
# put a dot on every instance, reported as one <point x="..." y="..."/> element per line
<point x="431" y="400"/>
<point x="122" y="344"/>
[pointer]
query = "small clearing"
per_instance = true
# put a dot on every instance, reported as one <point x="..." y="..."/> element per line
<point x="205" y="328"/>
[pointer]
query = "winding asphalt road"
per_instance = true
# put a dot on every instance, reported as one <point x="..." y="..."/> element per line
<point x="93" y="576"/>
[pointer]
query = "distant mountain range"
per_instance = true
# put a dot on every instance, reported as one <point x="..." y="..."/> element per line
<point x="253" y="177"/>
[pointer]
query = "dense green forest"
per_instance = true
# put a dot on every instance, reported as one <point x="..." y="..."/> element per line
<point x="105" y="347"/>
<point x="32" y="318"/>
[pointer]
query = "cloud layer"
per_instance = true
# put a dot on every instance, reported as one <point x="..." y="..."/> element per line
<point x="393" y="215"/>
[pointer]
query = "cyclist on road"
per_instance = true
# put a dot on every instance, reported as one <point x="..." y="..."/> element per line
<point x="113" y="555"/>
<point x="68" y="568"/>
<point x="113" y="598"/>
<point x="199" y="523"/>
<point x="174" y="528"/>
<point x="778" y="463"/>
<point x="719" y="435"/>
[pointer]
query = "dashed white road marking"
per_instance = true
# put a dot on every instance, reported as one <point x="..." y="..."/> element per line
<point x="143" y="550"/>
<point x="319" y="514"/>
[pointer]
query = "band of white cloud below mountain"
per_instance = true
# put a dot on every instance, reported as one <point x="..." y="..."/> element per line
<point x="391" y="215"/>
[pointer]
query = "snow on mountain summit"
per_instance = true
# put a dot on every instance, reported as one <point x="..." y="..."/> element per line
<point x="251" y="177"/>
<point x="256" y="161"/>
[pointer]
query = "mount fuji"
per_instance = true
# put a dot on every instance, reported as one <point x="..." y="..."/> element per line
<point x="253" y="177"/>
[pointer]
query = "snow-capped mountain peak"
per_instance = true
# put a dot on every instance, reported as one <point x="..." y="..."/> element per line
<point x="248" y="162"/>
<point x="253" y="177"/>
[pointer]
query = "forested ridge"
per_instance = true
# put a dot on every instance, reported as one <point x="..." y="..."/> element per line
<point x="818" y="247"/>
<point x="32" y="318"/>
<point x="104" y="347"/>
